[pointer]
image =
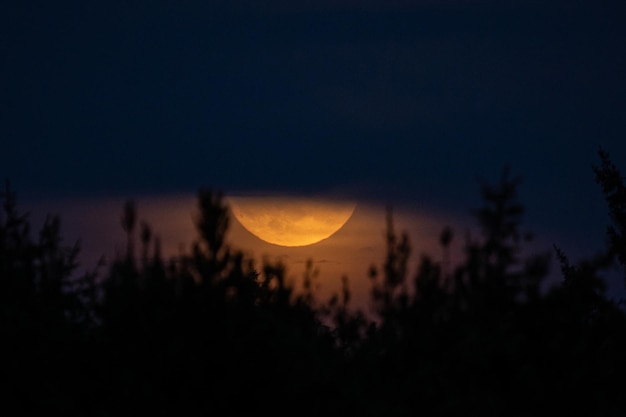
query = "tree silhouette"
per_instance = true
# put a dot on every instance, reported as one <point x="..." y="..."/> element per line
<point x="223" y="335"/>
<point x="212" y="332"/>
<point x="610" y="179"/>
<point x="46" y="315"/>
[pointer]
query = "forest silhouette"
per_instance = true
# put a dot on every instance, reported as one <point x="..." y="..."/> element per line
<point x="212" y="332"/>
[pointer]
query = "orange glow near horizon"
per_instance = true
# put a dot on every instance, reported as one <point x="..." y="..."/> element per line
<point x="355" y="241"/>
<point x="352" y="250"/>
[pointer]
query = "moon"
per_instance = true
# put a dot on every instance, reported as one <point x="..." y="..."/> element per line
<point x="290" y="221"/>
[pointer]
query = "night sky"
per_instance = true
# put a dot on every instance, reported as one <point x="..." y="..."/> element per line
<point x="391" y="100"/>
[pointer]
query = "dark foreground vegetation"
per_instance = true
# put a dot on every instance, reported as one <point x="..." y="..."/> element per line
<point x="212" y="333"/>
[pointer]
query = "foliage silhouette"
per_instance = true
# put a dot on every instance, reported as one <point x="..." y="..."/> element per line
<point x="45" y="317"/>
<point x="610" y="179"/>
<point x="223" y="336"/>
<point x="212" y="332"/>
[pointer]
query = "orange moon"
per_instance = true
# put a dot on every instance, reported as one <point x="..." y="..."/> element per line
<point x="290" y="221"/>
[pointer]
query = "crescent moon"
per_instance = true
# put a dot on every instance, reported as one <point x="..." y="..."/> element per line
<point x="290" y="221"/>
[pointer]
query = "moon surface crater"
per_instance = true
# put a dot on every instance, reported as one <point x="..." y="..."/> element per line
<point x="290" y="221"/>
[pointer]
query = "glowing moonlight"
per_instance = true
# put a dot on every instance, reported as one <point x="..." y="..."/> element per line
<point x="289" y="221"/>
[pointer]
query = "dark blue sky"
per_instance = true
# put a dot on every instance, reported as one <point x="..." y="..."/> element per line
<point x="402" y="100"/>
